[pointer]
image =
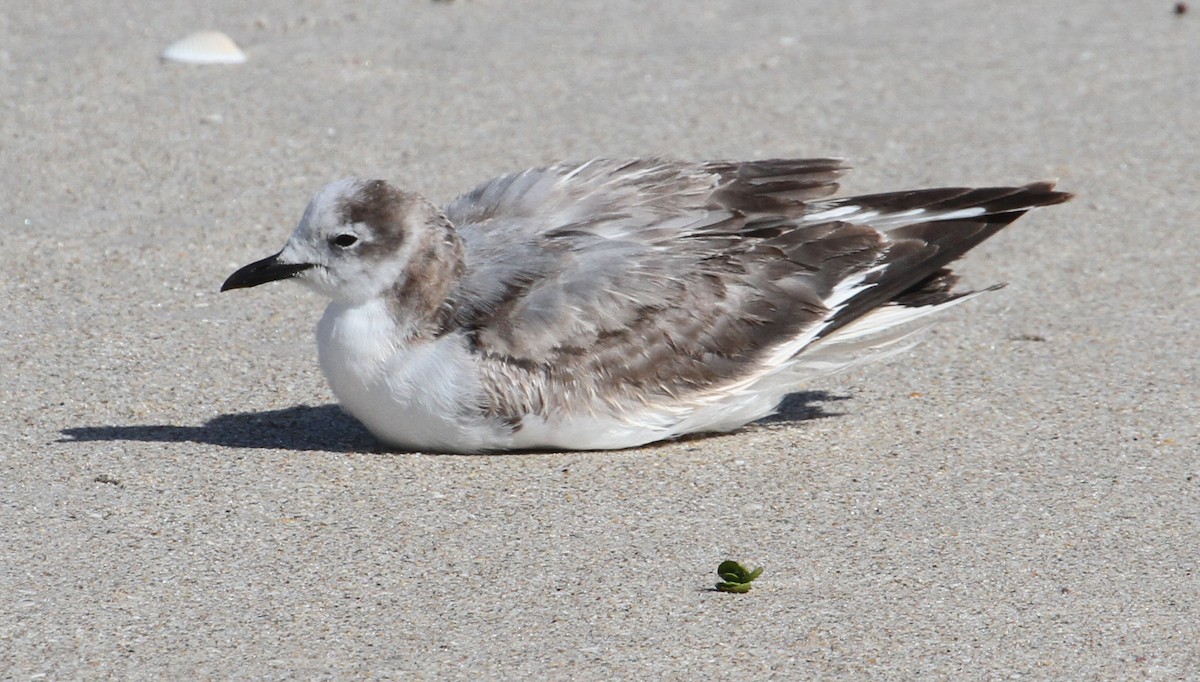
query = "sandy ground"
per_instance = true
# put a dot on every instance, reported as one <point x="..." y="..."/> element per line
<point x="180" y="497"/>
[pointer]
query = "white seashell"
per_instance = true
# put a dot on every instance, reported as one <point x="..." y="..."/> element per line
<point x="205" y="47"/>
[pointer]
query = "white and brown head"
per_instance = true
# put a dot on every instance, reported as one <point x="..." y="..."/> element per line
<point x="362" y="239"/>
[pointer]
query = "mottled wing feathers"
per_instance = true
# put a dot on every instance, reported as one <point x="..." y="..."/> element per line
<point x="562" y="252"/>
<point x="776" y="186"/>
<point x="661" y="278"/>
<point x="636" y="274"/>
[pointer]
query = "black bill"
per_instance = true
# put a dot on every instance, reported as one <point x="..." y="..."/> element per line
<point x="266" y="270"/>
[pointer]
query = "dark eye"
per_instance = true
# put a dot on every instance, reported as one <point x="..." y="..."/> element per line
<point x="344" y="240"/>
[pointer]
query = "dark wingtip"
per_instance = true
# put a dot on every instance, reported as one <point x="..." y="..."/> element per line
<point x="1044" y="194"/>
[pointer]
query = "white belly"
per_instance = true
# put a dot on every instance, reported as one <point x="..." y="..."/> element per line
<point x="422" y="396"/>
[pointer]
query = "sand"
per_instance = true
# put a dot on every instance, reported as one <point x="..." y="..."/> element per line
<point x="180" y="497"/>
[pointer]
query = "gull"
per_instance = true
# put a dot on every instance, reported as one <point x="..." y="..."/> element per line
<point x="615" y="303"/>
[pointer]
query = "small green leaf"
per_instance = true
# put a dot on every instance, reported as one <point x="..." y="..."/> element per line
<point x="728" y="565"/>
<point x="735" y="577"/>
<point x="732" y="571"/>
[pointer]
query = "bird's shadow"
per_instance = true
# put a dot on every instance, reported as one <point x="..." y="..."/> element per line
<point x="327" y="428"/>
<point x="802" y="407"/>
<point x="303" y="427"/>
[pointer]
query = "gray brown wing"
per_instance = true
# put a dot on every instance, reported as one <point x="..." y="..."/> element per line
<point x="654" y="277"/>
<point x="635" y="281"/>
<point x="555" y="252"/>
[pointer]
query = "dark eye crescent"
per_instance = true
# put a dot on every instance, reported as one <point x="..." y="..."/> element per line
<point x="344" y="240"/>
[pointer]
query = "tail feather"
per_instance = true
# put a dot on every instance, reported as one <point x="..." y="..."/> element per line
<point x="929" y="230"/>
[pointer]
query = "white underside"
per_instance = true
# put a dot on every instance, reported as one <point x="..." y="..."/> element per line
<point x="419" y="397"/>
<point x="428" y="397"/>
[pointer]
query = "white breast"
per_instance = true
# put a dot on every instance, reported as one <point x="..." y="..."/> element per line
<point x="416" y="395"/>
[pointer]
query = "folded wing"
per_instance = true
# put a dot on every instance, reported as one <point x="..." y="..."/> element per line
<point x="670" y="279"/>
